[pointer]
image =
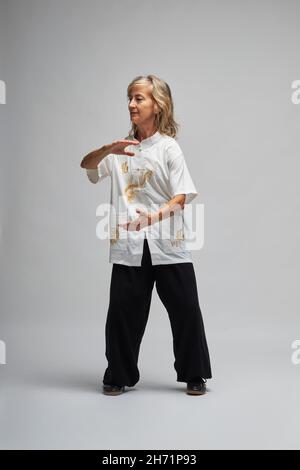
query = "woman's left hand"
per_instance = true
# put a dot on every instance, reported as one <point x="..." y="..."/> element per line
<point x="142" y="221"/>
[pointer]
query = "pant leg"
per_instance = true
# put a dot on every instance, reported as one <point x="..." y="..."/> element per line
<point x="177" y="288"/>
<point x="130" y="298"/>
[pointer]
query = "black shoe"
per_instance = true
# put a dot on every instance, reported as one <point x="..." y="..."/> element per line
<point x="196" y="388"/>
<point x="113" y="389"/>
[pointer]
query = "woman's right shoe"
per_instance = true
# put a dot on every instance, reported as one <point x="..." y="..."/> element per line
<point x="113" y="389"/>
<point x="196" y="388"/>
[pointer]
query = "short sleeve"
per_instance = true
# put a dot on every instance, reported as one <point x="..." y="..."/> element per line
<point x="180" y="179"/>
<point x="103" y="170"/>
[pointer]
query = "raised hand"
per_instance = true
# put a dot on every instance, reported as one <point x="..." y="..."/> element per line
<point x="92" y="159"/>
<point x="118" y="147"/>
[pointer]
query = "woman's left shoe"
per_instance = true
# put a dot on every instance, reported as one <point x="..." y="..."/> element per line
<point x="196" y="388"/>
<point x="113" y="389"/>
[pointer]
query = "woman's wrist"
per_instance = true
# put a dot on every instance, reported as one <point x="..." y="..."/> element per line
<point x="156" y="217"/>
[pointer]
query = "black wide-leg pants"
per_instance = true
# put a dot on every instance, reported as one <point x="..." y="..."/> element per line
<point x="130" y="298"/>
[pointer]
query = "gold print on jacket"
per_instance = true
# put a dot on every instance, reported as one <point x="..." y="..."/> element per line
<point x="132" y="188"/>
<point x="116" y="236"/>
<point x="179" y="237"/>
<point x="124" y="167"/>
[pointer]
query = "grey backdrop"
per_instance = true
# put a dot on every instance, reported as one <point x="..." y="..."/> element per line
<point x="230" y="65"/>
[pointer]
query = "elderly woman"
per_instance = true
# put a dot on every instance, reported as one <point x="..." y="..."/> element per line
<point x="150" y="185"/>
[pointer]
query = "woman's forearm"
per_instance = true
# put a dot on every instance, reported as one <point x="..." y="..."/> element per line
<point x="175" y="204"/>
<point x="92" y="159"/>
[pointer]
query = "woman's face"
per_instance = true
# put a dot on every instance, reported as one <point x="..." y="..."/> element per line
<point x="141" y="105"/>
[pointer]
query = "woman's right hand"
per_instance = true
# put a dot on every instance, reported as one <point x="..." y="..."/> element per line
<point x="92" y="159"/>
<point x="118" y="147"/>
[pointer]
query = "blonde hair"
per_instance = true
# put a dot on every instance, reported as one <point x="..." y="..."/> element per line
<point x="161" y="93"/>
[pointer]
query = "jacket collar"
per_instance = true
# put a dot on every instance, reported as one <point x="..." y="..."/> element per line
<point x="149" y="140"/>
